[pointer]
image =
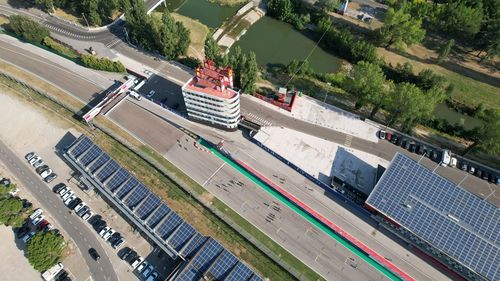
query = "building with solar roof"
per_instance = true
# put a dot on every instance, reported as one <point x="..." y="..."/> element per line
<point x="197" y="256"/>
<point x="445" y="221"/>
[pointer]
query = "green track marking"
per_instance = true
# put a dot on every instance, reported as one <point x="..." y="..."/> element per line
<point x="303" y="214"/>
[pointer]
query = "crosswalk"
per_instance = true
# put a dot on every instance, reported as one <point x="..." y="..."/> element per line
<point x="348" y="140"/>
<point x="63" y="31"/>
<point x="113" y="43"/>
<point x="258" y="119"/>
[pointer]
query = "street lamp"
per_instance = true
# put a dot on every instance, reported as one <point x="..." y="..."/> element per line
<point x="83" y="14"/>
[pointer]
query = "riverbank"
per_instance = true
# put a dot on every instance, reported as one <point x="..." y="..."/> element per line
<point x="228" y="2"/>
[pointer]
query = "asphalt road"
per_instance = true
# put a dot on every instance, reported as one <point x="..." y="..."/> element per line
<point x="80" y="233"/>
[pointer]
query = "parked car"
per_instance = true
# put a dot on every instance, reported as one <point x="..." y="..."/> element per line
<point x="463" y="166"/>
<point x="22" y="231"/>
<point x="63" y="191"/>
<point x="50" y="178"/>
<point x="58" y="187"/>
<point x="388" y="136"/>
<point x="93" y="253"/>
<point x="37" y="220"/>
<point x="381" y="134"/>
<point x="46" y="173"/>
<point x="147" y="271"/>
<point x="28" y="236"/>
<point x="108" y="234"/>
<point x="395" y="139"/>
<point x="104" y="230"/>
<point x="142" y="266"/>
<point x="42" y="225"/>
<point x="124" y="253"/>
<point x="74" y="203"/>
<point x="79" y="206"/>
<point x="48" y="227"/>
<point x="30" y="156"/>
<point x="83" y="211"/>
<point x="38" y="163"/>
<point x="151" y="94"/>
<point x="479" y="173"/>
<point x="132" y="256"/>
<point x="114" y="237"/>
<point x="405" y="144"/>
<point x="70" y="199"/>
<point x="136" y="262"/>
<point x="87" y="215"/>
<point x="41" y="169"/>
<point x="67" y="195"/>
<point x="153" y="276"/>
<point x="37" y="212"/>
<point x="34" y="159"/>
<point x="99" y="225"/>
<point x="434" y="156"/>
<point x="413" y="147"/>
<point x="453" y="162"/>
<point x="472" y="170"/>
<point x="26" y="204"/>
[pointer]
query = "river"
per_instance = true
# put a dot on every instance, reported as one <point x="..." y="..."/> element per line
<point x="273" y="41"/>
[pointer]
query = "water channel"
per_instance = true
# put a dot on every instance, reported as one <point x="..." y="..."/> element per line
<point x="273" y="42"/>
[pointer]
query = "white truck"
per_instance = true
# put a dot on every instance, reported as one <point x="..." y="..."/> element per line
<point x="50" y="273"/>
<point x="446" y="158"/>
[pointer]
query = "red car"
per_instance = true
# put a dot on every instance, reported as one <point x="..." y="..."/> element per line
<point x="42" y="225"/>
<point x="388" y="136"/>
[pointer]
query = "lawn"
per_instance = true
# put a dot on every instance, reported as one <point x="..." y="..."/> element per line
<point x="163" y="185"/>
<point x="198" y="33"/>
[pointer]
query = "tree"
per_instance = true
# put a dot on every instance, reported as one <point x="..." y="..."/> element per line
<point x="237" y="60"/>
<point x="280" y="9"/>
<point x="212" y="49"/>
<point x="299" y="67"/>
<point x="45" y="250"/>
<point x="489" y="136"/>
<point x="10" y="211"/>
<point x="249" y="73"/>
<point x="366" y="82"/>
<point x="399" y="27"/>
<point x="28" y="28"/>
<point x="46" y="5"/>
<point x="408" y="105"/>
<point x="328" y="5"/>
<point x="462" y="20"/>
<point x="445" y="51"/>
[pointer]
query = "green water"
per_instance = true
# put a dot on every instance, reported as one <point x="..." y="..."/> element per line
<point x="275" y="42"/>
<point x="305" y="215"/>
<point x="210" y="14"/>
<point x="442" y="111"/>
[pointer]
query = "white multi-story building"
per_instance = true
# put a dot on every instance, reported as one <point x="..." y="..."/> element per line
<point x="210" y="97"/>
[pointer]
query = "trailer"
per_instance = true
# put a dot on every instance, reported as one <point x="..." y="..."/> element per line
<point x="50" y="273"/>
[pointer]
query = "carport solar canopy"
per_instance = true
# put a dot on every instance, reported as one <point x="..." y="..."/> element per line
<point x="438" y="211"/>
<point x="156" y="216"/>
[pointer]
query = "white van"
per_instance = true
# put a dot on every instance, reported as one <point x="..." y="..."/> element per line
<point x="446" y="158"/>
<point x="135" y="95"/>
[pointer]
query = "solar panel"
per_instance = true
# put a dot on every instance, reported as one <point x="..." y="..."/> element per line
<point x="98" y="163"/>
<point x="181" y="236"/>
<point x="450" y="218"/>
<point x="222" y="265"/>
<point x="124" y="190"/>
<point x="255" y="277"/>
<point x="90" y="155"/>
<point x="194" y="244"/>
<point x="188" y="273"/>
<point x="107" y="171"/>
<point x="145" y="209"/>
<point x="80" y="147"/>
<point x="207" y="254"/>
<point x="168" y="226"/>
<point x="158" y="215"/>
<point x="120" y="177"/>
<point x="139" y="193"/>
<point x="239" y="272"/>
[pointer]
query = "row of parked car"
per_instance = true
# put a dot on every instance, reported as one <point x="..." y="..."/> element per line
<point x="73" y="202"/>
<point x="142" y="267"/>
<point x="40" y="167"/>
<point x="443" y="157"/>
<point x="34" y="223"/>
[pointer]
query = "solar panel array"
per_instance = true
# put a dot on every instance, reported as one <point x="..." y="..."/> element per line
<point x="448" y="217"/>
<point x="156" y="216"/>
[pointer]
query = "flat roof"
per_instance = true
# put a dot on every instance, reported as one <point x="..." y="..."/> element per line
<point x="447" y="216"/>
<point x="209" y="88"/>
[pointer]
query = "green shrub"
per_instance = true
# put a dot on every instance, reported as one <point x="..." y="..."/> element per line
<point x="28" y="29"/>
<point x="45" y="250"/>
<point x="60" y="48"/>
<point x="102" y="64"/>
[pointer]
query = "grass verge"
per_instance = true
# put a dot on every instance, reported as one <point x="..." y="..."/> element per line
<point x="198" y="33"/>
<point x="177" y="198"/>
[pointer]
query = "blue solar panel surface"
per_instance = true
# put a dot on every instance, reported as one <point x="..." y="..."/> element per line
<point x="207" y="254"/>
<point x="148" y="206"/>
<point x="82" y="146"/>
<point x="223" y="265"/>
<point x="168" y="226"/>
<point x="239" y="272"/>
<point x="204" y="252"/>
<point x="90" y="155"/>
<point x="117" y="179"/>
<point x="181" y="236"/>
<point x="158" y="215"/>
<point x="435" y="209"/>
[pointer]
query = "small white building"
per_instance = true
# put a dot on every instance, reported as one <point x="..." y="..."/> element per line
<point x="210" y="97"/>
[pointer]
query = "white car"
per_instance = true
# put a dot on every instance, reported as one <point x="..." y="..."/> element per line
<point x="453" y="162"/>
<point x="137" y="262"/>
<point x="151" y="94"/>
<point x="36" y="213"/>
<point x="67" y="195"/>
<point x="147" y="271"/>
<point x="69" y="199"/>
<point x="142" y="266"/>
<point x="104" y="230"/>
<point x="34" y="159"/>
<point x="37" y="220"/>
<point x="108" y="234"/>
<point x="63" y="191"/>
<point x="30" y="156"/>
<point x="45" y="173"/>
<point x="79" y="206"/>
<point x="87" y="215"/>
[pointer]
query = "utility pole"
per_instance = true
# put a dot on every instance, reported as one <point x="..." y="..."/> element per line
<point x="83" y="14"/>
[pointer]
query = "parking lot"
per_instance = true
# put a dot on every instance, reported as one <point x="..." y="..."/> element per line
<point x="24" y="136"/>
<point x="166" y="93"/>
